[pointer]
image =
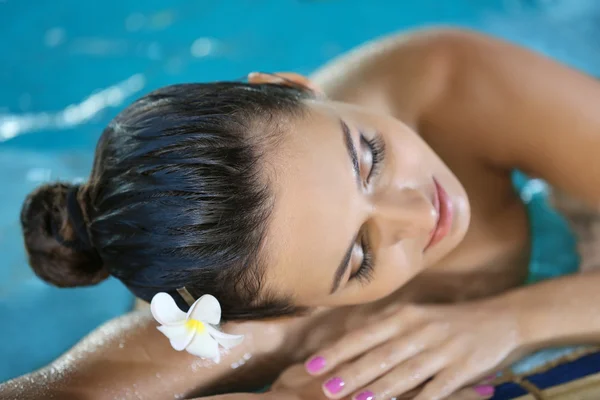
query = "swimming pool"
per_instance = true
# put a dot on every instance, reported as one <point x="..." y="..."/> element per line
<point x="69" y="66"/>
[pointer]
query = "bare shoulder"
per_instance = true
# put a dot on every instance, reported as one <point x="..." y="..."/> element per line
<point x="398" y="74"/>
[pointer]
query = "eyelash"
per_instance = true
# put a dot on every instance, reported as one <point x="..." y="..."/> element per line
<point x="377" y="147"/>
<point x="365" y="271"/>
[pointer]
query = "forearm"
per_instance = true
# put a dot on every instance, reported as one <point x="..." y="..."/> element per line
<point x="563" y="311"/>
<point x="129" y="357"/>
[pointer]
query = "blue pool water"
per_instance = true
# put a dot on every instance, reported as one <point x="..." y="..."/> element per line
<point x="68" y="66"/>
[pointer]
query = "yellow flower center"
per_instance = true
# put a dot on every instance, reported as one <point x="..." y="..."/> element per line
<point x="195" y="325"/>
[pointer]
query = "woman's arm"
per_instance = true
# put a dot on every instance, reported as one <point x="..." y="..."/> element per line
<point x="446" y="347"/>
<point x="563" y="311"/>
<point x="129" y="357"/>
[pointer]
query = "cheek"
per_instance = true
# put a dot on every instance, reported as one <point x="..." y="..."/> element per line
<point x="395" y="267"/>
<point x="407" y="162"/>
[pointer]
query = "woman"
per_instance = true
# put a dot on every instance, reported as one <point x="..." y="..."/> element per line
<point x="339" y="223"/>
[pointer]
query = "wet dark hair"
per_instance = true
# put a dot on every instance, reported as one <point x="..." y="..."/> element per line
<point x="178" y="196"/>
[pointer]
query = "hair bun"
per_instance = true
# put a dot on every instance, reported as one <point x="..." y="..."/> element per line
<point x="56" y="238"/>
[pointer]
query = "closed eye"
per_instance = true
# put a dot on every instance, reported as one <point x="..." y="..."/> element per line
<point x="376" y="148"/>
<point x="364" y="273"/>
<point x="373" y="149"/>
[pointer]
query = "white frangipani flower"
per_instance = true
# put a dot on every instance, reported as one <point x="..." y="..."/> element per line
<point x="195" y="331"/>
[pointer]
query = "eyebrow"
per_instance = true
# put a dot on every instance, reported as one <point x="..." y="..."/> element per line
<point x="351" y="151"/>
<point x="353" y="155"/>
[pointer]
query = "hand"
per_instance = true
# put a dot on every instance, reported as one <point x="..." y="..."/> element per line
<point x="252" y="396"/>
<point x="296" y="380"/>
<point x="398" y="349"/>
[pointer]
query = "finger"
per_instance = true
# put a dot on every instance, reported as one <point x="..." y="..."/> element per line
<point x="470" y="394"/>
<point x="485" y="391"/>
<point x="404" y="377"/>
<point x="292" y="378"/>
<point x="351" y="346"/>
<point x="448" y="382"/>
<point x="251" y="396"/>
<point x="377" y="362"/>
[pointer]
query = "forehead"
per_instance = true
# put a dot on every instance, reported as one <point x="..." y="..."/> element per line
<point x="314" y="216"/>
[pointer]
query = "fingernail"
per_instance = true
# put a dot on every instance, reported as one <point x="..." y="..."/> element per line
<point x="367" y="395"/>
<point x="334" y="385"/>
<point x="315" y="364"/>
<point x="484" y="390"/>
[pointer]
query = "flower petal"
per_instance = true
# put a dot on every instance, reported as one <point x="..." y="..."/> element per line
<point x="165" y="311"/>
<point x="224" y="339"/>
<point x="179" y="335"/>
<point x="206" y="309"/>
<point x="202" y="345"/>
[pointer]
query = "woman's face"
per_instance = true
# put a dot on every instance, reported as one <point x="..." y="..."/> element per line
<point x="362" y="204"/>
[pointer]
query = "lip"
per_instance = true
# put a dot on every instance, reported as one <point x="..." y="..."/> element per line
<point x="445" y="211"/>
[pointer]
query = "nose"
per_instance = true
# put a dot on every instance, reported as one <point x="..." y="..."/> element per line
<point x="404" y="213"/>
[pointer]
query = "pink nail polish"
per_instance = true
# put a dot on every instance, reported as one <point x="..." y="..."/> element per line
<point x="315" y="364"/>
<point x="367" y="395"/>
<point x="484" y="390"/>
<point x="334" y="385"/>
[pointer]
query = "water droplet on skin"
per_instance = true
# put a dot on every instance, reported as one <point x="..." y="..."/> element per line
<point x="201" y="364"/>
